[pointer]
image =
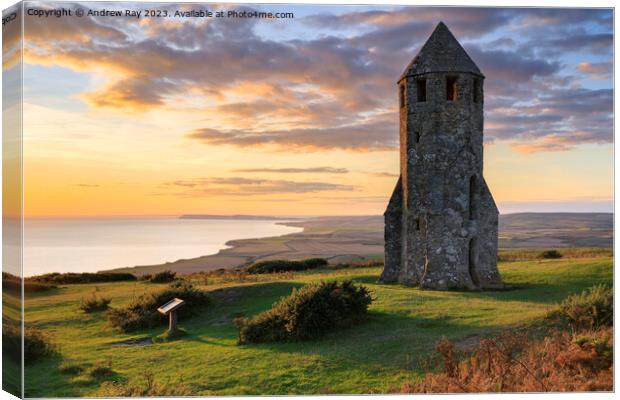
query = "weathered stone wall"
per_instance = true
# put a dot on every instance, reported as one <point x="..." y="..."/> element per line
<point x="393" y="236"/>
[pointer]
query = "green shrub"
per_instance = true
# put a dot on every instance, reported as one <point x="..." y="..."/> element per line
<point x="142" y="312"/>
<point x="270" y="266"/>
<point x="592" y="308"/>
<point x="34" y="287"/>
<point x="11" y="341"/>
<point x="94" y="303"/>
<point x="13" y="284"/>
<point x="71" y="369"/>
<point x="82" y="277"/>
<point x="551" y="254"/>
<point x="36" y="344"/>
<point x="102" y="371"/>
<point x="163" y="277"/>
<point x="308" y="313"/>
<point x="311" y="263"/>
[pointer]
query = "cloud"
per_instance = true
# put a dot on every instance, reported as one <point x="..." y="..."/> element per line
<point x="502" y="66"/>
<point x="463" y="21"/>
<point x="320" y="170"/>
<point x="561" y="120"/>
<point x="594" y="70"/>
<point x="337" y="90"/>
<point x="360" y="137"/>
<point x="598" y="43"/>
<point x="240" y="186"/>
<point x="557" y="142"/>
<point x="384" y="174"/>
<point x="86" y="185"/>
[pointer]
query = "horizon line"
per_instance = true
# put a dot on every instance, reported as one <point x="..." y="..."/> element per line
<point x="280" y="216"/>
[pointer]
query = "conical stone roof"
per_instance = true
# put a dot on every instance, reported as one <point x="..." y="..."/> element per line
<point x="441" y="53"/>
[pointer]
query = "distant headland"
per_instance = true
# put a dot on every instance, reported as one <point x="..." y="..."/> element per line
<point x="239" y="216"/>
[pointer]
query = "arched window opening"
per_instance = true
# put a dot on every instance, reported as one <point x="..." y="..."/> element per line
<point x="472" y="197"/>
<point x="421" y="89"/>
<point x="476" y="90"/>
<point x="451" y="89"/>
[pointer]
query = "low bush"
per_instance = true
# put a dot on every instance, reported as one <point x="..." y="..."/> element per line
<point x="142" y="312"/>
<point x="308" y="313"/>
<point x="94" y="303"/>
<point x="513" y="362"/>
<point x="270" y="266"/>
<point x="70" y="369"/>
<point x="145" y="277"/>
<point x="163" y="277"/>
<point x="311" y="263"/>
<point x="551" y="254"/>
<point x="358" y="264"/>
<point x="12" y="284"/>
<point x="592" y="308"/>
<point x="36" y="344"/>
<point x="82" y="277"/>
<point x="34" y="287"/>
<point x="11" y="341"/>
<point x="101" y="371"/>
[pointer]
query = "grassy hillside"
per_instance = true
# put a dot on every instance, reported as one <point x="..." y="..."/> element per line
<point x="375" y="357"/>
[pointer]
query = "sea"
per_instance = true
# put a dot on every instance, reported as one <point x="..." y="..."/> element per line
<point x="95" y="244"/>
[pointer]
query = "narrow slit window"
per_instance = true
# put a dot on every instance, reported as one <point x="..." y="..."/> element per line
<point x="401" y="95"/>
<point x="416" y="137"/>
<point x="451" y="89"/>
<point x="472" y="197"/>
<point x="417" y="224"/>
<point x="476" y="90"/>
<point x="472" y="261"/>
<point x="421" y="86"/>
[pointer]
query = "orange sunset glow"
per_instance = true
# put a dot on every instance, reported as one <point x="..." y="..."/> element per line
<point x="298" y="117"/>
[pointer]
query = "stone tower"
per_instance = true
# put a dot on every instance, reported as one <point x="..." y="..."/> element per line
<point x="441" y="221"/>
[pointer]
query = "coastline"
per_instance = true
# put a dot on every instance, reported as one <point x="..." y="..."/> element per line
<point x="92" y="245"/>
<point x="360" y="238"/>
<point x="338" y="239"/>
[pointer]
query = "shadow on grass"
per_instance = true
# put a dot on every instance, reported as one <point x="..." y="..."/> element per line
<point x="384" y="341"/>
<point x="54" y="381"/>
<point x="541" y="293"/>
<point x="368" y="279"/>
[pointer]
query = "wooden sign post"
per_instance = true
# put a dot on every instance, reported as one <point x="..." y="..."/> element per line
<point x="170" y="309"/>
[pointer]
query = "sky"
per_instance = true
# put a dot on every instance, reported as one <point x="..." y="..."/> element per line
<point x="127" y="116"/>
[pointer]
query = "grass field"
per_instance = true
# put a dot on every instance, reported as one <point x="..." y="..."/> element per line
<point x="375" y="357"/>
